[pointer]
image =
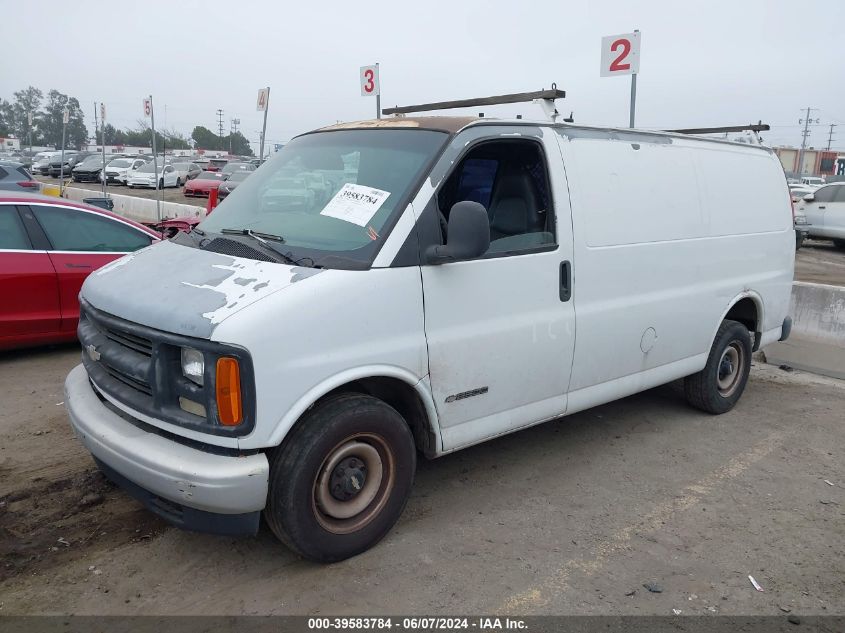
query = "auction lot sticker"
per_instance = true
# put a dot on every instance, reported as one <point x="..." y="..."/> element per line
<point x="355" y="203"/>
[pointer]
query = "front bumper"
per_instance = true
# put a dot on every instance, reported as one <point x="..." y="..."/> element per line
<point x="189" y="487"/>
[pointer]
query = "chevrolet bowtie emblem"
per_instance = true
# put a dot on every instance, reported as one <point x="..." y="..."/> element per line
<point x="92" y="352"/>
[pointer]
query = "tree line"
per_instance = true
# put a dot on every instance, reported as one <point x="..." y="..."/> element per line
<point x="30" y="112"/>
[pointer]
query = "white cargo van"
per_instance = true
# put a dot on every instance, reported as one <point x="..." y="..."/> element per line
<point x="420" y="284"/>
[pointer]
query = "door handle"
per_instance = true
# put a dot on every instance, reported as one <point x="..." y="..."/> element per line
<point x="822" y="207"/>
<point x="77" y="265"/>
<point x="565" y="281"/>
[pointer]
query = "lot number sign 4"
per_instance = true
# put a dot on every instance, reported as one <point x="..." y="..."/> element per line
<point x="620" y="54"/>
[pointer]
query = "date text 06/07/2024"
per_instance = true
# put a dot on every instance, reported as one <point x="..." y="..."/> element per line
<point x="417" y="623"/>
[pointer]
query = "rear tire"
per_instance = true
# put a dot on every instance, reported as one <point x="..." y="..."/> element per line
<point x="839" y="243"/>
<point x="341" y="479"/>
<point x="718" y="387"/>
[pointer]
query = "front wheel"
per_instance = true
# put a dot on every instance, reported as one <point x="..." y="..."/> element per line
<point x="839" y="243"/>
<point x="341" y="479"/>
<point x="718" y="387"/>
<point x="178" y="182"/>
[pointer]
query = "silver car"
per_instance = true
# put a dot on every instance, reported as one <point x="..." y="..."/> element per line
<point x="825" y="212"/>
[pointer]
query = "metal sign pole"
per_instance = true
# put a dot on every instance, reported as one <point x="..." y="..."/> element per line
<point x="633" y="98"/>
<point x="103" y="143"/>
<point x="378" y="94"/>
<point x="633" y="93"/>
<point x="155" y="159"/>
<point x="62" y="165"/>
<point x="264" y="128"/>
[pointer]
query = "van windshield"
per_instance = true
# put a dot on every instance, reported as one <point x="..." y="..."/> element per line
<point x="331" y="196"/>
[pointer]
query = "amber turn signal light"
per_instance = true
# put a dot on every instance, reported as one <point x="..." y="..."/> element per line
<point x="229" y="409"/>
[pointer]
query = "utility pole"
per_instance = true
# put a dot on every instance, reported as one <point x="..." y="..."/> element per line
<point x="804" y="134"/>
<point x="830" y="136"/>
<point x="232" y="130"/>
<point x="220" y="122"/>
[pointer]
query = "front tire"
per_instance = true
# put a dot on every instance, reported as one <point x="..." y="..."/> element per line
<point x="718" y="387"/>
<point x="341" y="479"/>
<point x="839" y="243"/>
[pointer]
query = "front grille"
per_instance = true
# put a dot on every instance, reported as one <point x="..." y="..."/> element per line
<point x="140" y="367"/>
<point x="236" y="249"/>
<point x="129" y="381"/>
<point x="125" y="357"/>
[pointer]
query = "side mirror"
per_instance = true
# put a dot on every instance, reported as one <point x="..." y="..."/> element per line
<point x="469" y="235"/>
<point x="809" y="197"/>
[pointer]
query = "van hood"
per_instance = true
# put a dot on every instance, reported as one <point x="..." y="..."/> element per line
<point x="185" y="290"/>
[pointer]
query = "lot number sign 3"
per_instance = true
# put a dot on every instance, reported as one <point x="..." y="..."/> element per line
<point x="620" y="54"/>
<point x="369" y="81"/>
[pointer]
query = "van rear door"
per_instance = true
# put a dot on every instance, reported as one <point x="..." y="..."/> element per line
<point x="501" y="328"/>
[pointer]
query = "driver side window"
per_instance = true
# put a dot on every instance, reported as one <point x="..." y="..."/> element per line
<point x="509" y="179"/>
<point x="825" y="194"/>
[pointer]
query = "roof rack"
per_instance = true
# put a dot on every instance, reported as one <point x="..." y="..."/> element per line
<point x="545" y="98"/>
<point x="751" y="127"/>
<point x="759" y="127"/>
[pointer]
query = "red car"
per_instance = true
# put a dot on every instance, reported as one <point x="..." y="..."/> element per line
<point x="48" y="246"/>
<point x="203" y="184"/>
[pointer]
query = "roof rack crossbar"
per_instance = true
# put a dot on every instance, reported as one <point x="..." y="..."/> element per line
<point x="517" y="97"/>
<point x="759" y="127"/>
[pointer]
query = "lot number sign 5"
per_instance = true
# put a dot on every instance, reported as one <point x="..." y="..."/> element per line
<point x="620" y="54"/>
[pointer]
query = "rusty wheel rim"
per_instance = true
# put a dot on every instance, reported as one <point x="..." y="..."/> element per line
<point x="729" y="371"/>
<point x="353" y="483"/>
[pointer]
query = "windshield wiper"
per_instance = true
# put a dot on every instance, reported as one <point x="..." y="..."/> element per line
<point x="262" y="238"/>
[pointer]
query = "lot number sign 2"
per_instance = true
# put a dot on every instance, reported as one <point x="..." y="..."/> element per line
<point x="620" y="54"/>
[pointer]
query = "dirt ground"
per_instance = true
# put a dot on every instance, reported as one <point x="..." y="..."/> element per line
<point x="570" y="517"/>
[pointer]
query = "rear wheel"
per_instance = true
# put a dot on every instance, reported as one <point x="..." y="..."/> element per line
<point x="341" y="479"/>
<point x="178" y="182"/>
<point x="839" y="243"/>
<point x="718" y="387"/>
<point x="161" y="183"/>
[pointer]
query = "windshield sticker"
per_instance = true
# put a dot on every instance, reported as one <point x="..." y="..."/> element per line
<point x="355" y="203"/>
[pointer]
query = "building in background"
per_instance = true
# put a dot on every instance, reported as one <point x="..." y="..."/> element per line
<point x="9" y="144"/>
<point x="817" y="162"/>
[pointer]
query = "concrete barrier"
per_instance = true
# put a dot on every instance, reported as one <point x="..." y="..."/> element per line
<point x="138" y="209"/>
<point x="818" y="312"/>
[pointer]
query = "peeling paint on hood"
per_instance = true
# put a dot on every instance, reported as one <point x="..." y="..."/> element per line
<point x="185" y="290"/>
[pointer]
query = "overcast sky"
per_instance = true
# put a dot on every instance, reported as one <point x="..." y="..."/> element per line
<point x="712" y="63"/>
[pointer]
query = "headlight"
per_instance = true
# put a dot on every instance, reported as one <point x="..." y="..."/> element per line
<point x="193" y="365"/>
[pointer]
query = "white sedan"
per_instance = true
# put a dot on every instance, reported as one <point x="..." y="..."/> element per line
<point x="120" y="169"/>
<point x="145" y="176"/>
